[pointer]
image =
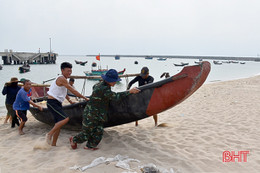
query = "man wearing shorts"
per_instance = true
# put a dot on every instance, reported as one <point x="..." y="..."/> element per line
<point x="22" y="104"/>
<point x="56" y="95"/>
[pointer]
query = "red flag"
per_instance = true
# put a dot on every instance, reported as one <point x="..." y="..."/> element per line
<point x="98" y="57"/>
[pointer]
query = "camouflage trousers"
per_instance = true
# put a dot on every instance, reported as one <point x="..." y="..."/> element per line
<point x="92" y="132"/>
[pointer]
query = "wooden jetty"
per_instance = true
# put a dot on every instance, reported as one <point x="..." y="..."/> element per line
<point x="10" y="57"/>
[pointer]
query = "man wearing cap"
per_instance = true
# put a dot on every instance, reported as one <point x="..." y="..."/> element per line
<point x="95" y="112"/>
<point x="10" y="90"/>
<point x="143" y="79"/>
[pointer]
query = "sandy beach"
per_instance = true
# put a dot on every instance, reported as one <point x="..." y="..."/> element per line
<point x="222" y="116"/>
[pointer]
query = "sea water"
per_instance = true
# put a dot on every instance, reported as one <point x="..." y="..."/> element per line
<point x="43" y="72"/>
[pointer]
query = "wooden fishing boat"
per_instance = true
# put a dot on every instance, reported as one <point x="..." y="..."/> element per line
<point x="24" y="68"/>
<point x="217" y="62"/>
<point x="81" y="62"/>
<point x="153" y="99"/>
<point x="228" y="62"/>
<point x="161" y="59"/>
<point x="197" y="62"/>
<point x="182" y="64"/>
<point x="77" y="62"/>
<point x="94" y="64"/>
<point x="99" y="72"/>
<point x="148" y="57"/>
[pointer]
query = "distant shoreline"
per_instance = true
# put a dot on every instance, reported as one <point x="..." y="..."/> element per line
<point x="238" y="58"/>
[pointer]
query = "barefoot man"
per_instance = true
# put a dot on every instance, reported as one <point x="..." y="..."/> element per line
<point x="22" y="104"/>
<point x="56" y="95"/>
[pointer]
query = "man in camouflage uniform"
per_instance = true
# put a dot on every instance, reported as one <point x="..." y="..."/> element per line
<point x="95" y="112"/>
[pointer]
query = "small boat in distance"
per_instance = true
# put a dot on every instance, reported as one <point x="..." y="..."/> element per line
<point x="81" y="62"/>
<point x="181" y="64"/>
<point x="226" y="61"/>
<point x="94" y="64"/>
<point x="197" y="62"/>
<point x="242" y="62"/>
<point x="235" y="62"/>
<point x="161" y="59"/>
<point x="117" y="57"/>
<point x="25" y="68"/>
<point x="136" y="62"/>
<point x="217" y="62"/>
<point x="148" y="57"/>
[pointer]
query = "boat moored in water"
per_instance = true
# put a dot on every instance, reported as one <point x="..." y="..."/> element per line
<point x="100" y="72"/>
<point x="117" y="57"/>
<point x="162" y="59"/>
<point x="81" y="62"/>
<point x="181" y="64"/>
<point x="148" y="57"/>
<point x="25" y="68"/>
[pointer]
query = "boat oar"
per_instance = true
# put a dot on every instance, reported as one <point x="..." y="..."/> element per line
<point x="162" y="82"/>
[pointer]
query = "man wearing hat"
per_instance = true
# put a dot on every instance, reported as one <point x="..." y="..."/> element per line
<point x="95" y="112"/>
<point x="143" y="79"/>
<point x="10" y="90"/>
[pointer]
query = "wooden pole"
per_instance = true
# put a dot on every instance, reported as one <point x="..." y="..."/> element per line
<point x="99" y="77"/>
<point x="81" y="77"/>
<point x="36" y="85"/>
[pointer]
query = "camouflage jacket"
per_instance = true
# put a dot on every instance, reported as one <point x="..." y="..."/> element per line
<point x="97" y="106"/>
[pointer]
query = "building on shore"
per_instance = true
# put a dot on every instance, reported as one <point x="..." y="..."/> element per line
<point x="10" y="57"/>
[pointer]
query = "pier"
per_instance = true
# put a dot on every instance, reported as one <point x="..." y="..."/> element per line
<point x="10" y="57"/>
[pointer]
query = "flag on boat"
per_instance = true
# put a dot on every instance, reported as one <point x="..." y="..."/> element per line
<point x="98" y="57"/>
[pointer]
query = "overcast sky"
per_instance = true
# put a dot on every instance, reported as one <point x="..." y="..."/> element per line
<point x="161" y="27"/>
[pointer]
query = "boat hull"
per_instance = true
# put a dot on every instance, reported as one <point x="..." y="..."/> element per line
<point x="153" y="99"/>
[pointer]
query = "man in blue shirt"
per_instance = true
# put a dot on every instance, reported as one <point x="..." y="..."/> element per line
<point x="10" y="90"/>
<point x="22" y="104"/>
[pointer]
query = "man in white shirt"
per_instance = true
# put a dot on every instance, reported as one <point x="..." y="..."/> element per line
<point x="56" y="95"/>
